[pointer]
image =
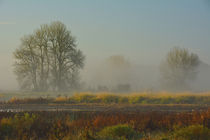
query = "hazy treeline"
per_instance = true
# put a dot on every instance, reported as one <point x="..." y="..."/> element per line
<point x="180" y="70"/>
<point x="48" y="59"/>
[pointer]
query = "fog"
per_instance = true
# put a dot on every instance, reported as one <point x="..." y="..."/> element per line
<point x="124" y="42"/>
<point x="118" y="70"/>
<point x="7" y="77"/>
<point x="202" y="82"/>
<point x="110" y="72"/>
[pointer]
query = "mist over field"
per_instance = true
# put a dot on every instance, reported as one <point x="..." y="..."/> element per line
<point x="123" y="47"/>
<point x="110" y="73"/>
<point x="139" y="77"/>
<point x="104" y="69"/>
<point x="8" y="79"/>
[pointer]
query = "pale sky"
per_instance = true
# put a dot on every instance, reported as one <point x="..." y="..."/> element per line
<point x="141" y="30"/>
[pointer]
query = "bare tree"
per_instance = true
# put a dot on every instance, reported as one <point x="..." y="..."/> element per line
<point x="41" y="38"/>
<point x="179" y="68"/>
<point x="26" y="64"/>
<point x="65" y="58"/>
<point x="53" y="60"/>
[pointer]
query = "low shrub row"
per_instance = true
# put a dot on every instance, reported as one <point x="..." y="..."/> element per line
<point x="119" y="99"/>
<point x="104" y="126"/>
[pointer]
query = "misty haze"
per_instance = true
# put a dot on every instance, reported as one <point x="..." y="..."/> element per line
<point x="105" y="70"/>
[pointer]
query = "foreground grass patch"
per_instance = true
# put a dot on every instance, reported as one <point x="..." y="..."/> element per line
<point x="104" y="126"/>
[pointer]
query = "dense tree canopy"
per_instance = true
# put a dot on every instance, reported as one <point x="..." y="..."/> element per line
<point x="48" y="59"/>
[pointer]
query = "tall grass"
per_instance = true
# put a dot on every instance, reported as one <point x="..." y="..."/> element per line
<point x="104" y="125"/>
<point x="116" y="98"/>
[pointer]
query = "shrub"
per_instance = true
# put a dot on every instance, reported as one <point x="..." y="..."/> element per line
<point x="86" y="135"/>
<point x="84" y="98"/>
<point x="123" y="100"/>
<point x="193" y="132"/>
<point x="39" y="100"/>
<point x="121" y="131"/>
<point x="109" y="98"/>
<point x="6" y="128"/>
<point x="61" y="99"/>
<point x="137" y="99"/>
<point x="27" y="120"/>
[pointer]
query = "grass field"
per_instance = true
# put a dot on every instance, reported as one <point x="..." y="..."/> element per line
<point x="106" y="116"/>
<point x="107" y="98"/>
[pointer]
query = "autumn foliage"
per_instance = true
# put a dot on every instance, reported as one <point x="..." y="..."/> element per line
<point x="103" y="125"/>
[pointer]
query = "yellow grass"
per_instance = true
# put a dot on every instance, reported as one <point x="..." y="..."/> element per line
<point x="144" y="94"/>
<point x="133" y="98"/>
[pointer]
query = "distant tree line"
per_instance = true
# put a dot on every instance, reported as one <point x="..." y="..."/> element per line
<point x="48" y="59"/>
